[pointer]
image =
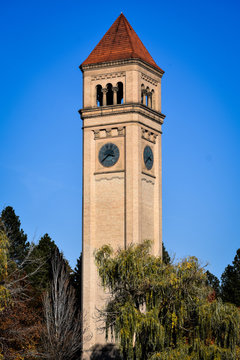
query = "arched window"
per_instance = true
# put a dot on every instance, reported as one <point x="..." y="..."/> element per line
<point x="120" y="93"/>
<point x="99" y="95"/>
<point x="152" y="99"/>
<point x="148" y="100"/>
<point x="109" y="94"/>
<point x="142" y="93"/>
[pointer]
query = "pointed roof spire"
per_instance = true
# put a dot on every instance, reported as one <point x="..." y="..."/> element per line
<point x="120" y="42"/>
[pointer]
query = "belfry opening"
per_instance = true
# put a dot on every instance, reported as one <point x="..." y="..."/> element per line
<point x="110" y="95"/>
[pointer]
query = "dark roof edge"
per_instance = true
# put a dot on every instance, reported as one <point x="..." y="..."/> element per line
<point x="120" y="62"/>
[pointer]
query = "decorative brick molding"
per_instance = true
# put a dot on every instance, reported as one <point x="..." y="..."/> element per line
<point x="109" y="76"/>
<point x="110" y="178"/>
<point x="149" y="135"/>
<point x="148" y="181"/>
<point x="134" y="61"/>
<point x="96" y="134"/>
<point x="112" y="110"/>
<point x="109" y="132"/>
<point x="149" y="79"/>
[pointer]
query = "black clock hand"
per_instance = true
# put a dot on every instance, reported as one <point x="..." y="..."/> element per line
<point x="105" y="157"/>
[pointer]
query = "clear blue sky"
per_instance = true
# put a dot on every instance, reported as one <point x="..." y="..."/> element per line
<point x="197" y="44"/>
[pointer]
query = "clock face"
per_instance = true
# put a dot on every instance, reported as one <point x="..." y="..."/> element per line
<point x="148" y="157"/>
<point x="108" y="154"/>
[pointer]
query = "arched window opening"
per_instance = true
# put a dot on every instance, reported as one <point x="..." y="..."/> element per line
<point x="142" y="93"/>
<point x="109" y="94"/>
<point x="120" y="93"/>
<point x="147" y="96"/>
<point x="152" y="99"/>
<point x="99" y="95"/>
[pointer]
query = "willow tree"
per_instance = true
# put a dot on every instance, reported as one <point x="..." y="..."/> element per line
<point x="162" y="311"/>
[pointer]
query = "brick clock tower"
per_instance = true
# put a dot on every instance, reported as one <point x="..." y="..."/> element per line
<point x="122" y="160"/>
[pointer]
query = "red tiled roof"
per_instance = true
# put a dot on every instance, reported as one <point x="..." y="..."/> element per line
<point x="120" y="42"/>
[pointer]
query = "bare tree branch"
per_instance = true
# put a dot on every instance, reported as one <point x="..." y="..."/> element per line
<point x="64" y="333"/>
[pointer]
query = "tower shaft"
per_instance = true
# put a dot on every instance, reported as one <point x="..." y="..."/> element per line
<point x="122" y="164"/>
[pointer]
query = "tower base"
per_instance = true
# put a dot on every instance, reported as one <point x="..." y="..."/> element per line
<point x="102" y="352"/>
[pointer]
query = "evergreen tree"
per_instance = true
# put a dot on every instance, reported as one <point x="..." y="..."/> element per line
<point x="162" y="312"/>
<point x="165" y="255"/>
<point x="77" y="280"/>
<point x="41" y="259"/>
<point x="19" y="245"/>
<point x="40" y="263"/>
<point x="231" y="281"/>
<point x="213" y="282"/>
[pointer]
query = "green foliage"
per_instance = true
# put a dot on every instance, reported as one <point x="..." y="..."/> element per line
<point x="165" y="255"/>
<point x="25" y="276"/>
<point x="19" y="245"/>
<point x="161" y="311"/>
<point x="77" y="280"/>
<point x="40" y="260"/>
<point x="231" y="281"/>
<point x="213" y="282"/>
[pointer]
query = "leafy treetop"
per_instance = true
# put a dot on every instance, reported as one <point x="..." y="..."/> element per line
<point x="19" y="245"/>
<point x="231" y="281"/>
<point x="162" y="311"/>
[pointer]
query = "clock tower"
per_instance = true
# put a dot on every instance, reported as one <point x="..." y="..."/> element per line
<point x="122" y="160"/>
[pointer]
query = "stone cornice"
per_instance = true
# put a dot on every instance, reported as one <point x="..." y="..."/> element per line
<point x="108" y="64"/>
<point x="109" y="110"/>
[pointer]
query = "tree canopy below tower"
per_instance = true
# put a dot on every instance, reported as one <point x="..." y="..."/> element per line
<point x="164" y="311"/>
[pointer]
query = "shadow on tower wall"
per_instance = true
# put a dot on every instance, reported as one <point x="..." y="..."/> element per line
<point x="105" y="352"/>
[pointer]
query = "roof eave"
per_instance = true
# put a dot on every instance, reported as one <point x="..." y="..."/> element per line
<point x="83" y="66"/>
